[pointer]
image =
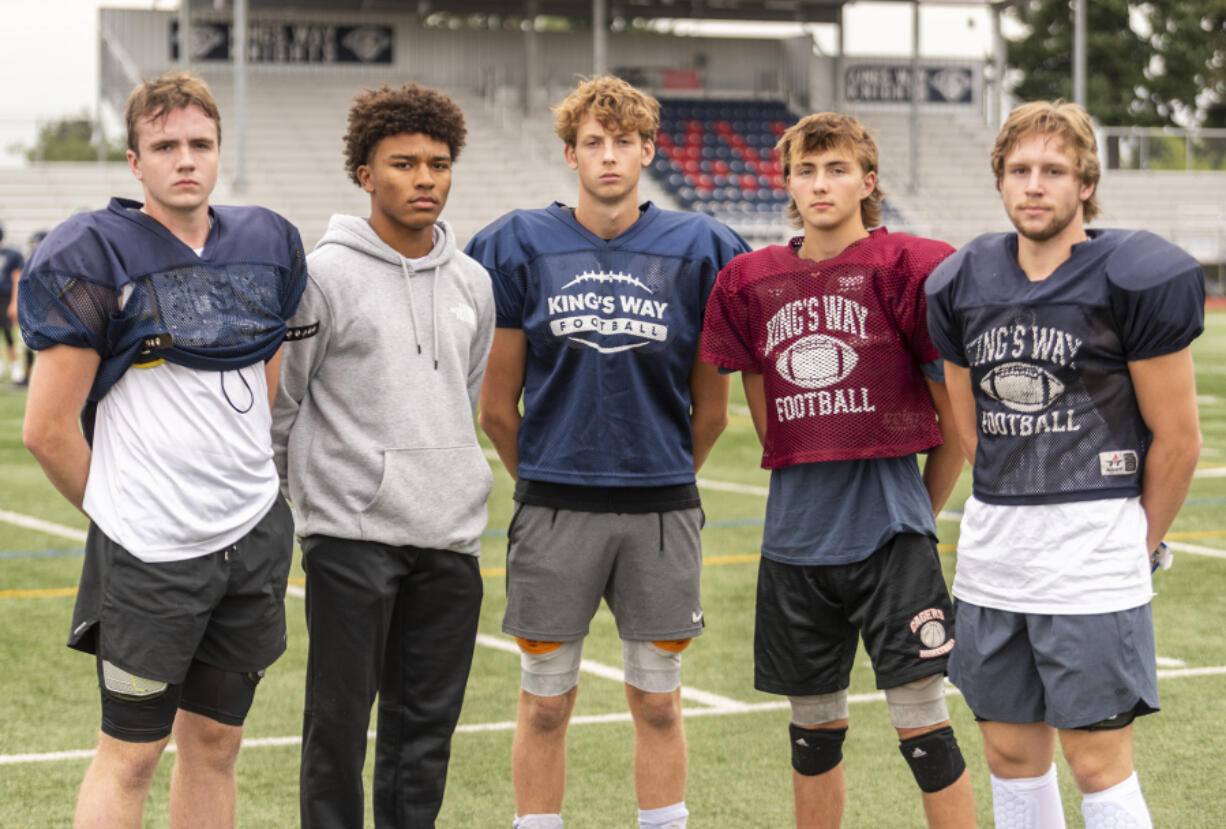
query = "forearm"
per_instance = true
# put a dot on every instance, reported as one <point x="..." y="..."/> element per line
<point x="1168" y="477"/>
<point x="502" y="428"/>
<point x="941" y="470"/>
<point x="706" y="426"/>
<point x="65" y="461"/>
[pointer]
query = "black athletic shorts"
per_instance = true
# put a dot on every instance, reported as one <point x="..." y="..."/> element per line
<point x="225" y="609"/>
<point x="809" y="618"/>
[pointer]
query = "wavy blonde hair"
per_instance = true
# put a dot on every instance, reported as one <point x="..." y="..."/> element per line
<point x="1067" y="120"/>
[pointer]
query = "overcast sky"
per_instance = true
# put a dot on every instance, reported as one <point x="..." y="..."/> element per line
<point x="49" y="62"/>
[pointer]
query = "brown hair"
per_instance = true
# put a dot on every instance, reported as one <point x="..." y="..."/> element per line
<point x="379" y="113"/>
<point x="823" y="131"/>
<point x="616" y="104"/>
<point x="173" y="90"/>
<point x="1067" y="120"/>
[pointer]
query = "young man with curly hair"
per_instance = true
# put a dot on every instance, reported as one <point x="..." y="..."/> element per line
<point x="377" y="450"/>
<point x="845" y="390"/>
<point x="162" y="323"/>
<point x="1068" y="356"/>
<point x="599" y="312"/>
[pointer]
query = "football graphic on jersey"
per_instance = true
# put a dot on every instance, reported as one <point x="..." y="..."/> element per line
<point x="816" y="361"/>
<point x="1022" y="387"/>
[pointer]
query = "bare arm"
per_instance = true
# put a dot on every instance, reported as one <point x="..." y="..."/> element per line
<point x="272" y="374"/>
<point x="12" y="309"/>
<point x="58" y="390"/>
<point x="755" y="398"/>
<point x="708" y="408"/>
<point x="1166" y="394"/>
<point x="498" y="409"/>
<point x="944" y="463"/>
<point x="962" y="407"/>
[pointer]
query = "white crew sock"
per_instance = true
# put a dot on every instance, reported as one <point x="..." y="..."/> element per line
<point x="666" y="817"/>
<point x="537" y="822"/>
<point x="1120" y="807"/>
<point x="1027" y="802"/>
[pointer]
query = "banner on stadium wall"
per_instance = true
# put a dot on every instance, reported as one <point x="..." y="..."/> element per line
<point x="890" y="83"/>
<point x="277" y="42"/>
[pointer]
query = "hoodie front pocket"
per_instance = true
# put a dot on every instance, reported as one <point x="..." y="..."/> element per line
<point x="433" y="498"/>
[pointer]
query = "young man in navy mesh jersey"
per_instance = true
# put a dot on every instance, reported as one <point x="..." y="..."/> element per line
<point x="844" y="387"/>
<point x="1070" y="372"/>
<point x="163" y="321"/>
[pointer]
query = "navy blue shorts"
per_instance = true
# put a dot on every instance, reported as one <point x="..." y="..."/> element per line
<point x="1069" y="671"/>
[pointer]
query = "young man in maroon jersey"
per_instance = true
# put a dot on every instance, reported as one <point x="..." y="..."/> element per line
<point x="845" y="389"/>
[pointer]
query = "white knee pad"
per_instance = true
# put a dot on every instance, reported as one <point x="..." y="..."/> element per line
<point x="1028" y="802"/>
<point x="551" y="674"/>
<point x="1122" y="806"/>
<point x="650" y="668"/>
<point x="918" y="704"/>
<point x="819" y="709"/>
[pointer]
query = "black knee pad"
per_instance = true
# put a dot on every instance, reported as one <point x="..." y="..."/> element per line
<point x="934" y="758"/>
<point x="816" y="750"/>
<point x="224" y="696"/>
<point x="133" y="713"/>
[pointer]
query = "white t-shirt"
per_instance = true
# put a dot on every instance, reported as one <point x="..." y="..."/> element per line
<point x="182" y="460"/>
<point x="1074" y="558"/>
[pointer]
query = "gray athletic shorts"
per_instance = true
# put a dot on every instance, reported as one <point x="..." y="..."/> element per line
<point x="225" y="609"/>
<point x="1069" y="671"/>
<point x="560" y="563"/>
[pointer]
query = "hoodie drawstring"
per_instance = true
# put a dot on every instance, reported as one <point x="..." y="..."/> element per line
<point x="408" y="281"/>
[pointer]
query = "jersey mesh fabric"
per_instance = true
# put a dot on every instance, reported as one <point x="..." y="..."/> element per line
<point x="223" y="311"/>
<point x="1057" y="417"/>
<point x="840" y="345"/>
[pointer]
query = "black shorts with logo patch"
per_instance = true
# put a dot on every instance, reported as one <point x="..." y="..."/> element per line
<point x="810" y="617"/>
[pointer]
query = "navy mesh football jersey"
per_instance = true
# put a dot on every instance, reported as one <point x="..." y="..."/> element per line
<point x="612" y="330"/>
<point x="224" y="309"/>
<point x="1057" y="416"/>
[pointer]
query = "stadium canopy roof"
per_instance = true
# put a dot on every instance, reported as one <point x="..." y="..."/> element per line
<point x="796" y="11"/>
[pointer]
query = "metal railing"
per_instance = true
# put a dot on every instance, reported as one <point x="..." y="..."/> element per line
<point x="1162" y="148"/>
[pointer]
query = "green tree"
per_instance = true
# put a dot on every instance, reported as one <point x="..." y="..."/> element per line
<point x="1148" y="64"/>
<point x="71" y="139"/>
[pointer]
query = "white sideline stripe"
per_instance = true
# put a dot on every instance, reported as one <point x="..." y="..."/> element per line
<point x="603" y="671"/>
<point x="1210" y="472"/>
<point x="295" y="591"/>
<point x="591" y="719"/>
<point x="727" y="486"/>
<point x="1196" y="549"/>
<point x="1169" y="662"/>
<point x="32" y="523"/>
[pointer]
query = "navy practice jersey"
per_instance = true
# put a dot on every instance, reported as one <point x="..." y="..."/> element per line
<point x="612" y="330"/>
<point x="10" y="261"/>
<point x="121" y="283"/>
<point x="1057" y="416"/>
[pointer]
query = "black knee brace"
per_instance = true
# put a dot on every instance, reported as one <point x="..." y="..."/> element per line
<point x="934" y="758"/>
<point x="144" y="716"/>
<point x="224" y="696"/>
<point x="816" y="750"/>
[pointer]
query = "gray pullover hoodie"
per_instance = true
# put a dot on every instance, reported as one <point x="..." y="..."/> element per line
<point x="373" y="430"/>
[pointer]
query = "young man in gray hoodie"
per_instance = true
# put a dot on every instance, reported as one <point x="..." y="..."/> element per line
<point x="374" y="439"/>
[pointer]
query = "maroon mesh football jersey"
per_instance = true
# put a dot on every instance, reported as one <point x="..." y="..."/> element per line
<point x="839" y="344"/>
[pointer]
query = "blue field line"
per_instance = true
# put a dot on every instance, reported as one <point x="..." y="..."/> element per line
<point x="40" y="553"/>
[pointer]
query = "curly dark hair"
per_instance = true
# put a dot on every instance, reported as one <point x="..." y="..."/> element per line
<point x="378" y="113"/>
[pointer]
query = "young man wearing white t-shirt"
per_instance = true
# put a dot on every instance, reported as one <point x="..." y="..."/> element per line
<point x="1069" y="367"/>
<point x="160" y="324"/>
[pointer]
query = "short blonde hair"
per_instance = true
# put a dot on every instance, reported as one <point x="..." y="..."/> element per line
<point x="1067" y="120"/>
<point x="616" y="104"/>
<point x="823" y="131"/>
<point x="173" y="90"/>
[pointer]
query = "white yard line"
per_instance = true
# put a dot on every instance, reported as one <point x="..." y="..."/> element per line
<point x="1196" y="549"/>
<point x="591" y="719"/>
<point x="32" y="523"/>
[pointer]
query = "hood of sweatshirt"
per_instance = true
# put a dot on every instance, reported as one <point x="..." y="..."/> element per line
<point x="356" y="233"/>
